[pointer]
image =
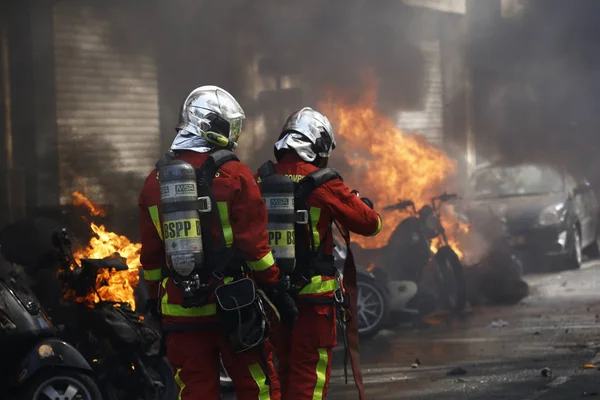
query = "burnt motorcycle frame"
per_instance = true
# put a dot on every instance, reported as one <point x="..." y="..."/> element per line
<point x="412" y="243"/>
<point x="122" y="347"/>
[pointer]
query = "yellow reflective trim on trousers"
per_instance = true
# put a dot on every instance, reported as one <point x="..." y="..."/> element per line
<point x="262" y="264"/>
<point x="225" y="224"/>
<point x="153" y="275"/>
<point x="156" y="220"/>
<point x="379" y="223"/>
<point x="179" y="383"/>
<point x="175" y="310"/>
<point x="317" y="285"/>
<point x="261" y="381"/>
<point x="315" y="215"/>
<point x="321" y="374"/>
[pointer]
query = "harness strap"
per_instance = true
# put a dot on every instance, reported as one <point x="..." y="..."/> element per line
<point x="304" y="188"/>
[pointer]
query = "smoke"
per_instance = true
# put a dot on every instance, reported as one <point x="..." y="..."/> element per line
<point x="539" y="86"/>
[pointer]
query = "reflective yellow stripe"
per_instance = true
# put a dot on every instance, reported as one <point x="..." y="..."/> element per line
<point x="153" y="275"/>
<point x="378" y="226"/>
<point x="321" y="374"/>
<point x="175" y="310"/>
<point x="224" y="215"/>
<point x="315" y="214"/>
<point x="155" y="219"/>
<point x="261" y="381"/>
<point x="262" y="264"/>
<point x="179" y="382"/>
<point x="317" y="285"/>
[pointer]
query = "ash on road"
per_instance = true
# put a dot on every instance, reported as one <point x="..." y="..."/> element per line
<point x="556" y="328"/>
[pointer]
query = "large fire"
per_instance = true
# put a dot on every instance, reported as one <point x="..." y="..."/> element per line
<point x="113" y="286"/>
<point x="390" y="166"/>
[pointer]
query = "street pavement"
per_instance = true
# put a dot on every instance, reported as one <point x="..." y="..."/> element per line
<point x="504" y="351"/>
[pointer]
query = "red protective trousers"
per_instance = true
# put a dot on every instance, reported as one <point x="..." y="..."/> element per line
<point x="194" y="357"/>
<point x="304" y="352"/>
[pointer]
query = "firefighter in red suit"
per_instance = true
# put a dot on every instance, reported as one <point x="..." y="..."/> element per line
<point x="211" y="119"/>
<point x="304" y="351"/>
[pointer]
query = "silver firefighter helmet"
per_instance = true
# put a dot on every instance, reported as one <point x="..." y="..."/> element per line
<point x="210" y="108"/>
<point x="313" y="126"/>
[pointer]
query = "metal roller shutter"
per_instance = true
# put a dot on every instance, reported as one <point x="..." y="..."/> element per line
<point x="429" y="120"/>
<point x="103" y="96"/>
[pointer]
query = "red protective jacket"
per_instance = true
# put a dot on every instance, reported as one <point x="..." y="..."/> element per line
<point x="331" y="201"/>
<point x="243" y="217"/>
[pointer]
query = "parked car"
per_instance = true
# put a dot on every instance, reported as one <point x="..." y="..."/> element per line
<point x="551" y="218"/>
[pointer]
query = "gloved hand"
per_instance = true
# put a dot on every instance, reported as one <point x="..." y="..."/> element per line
<point x="151" y="307"/>
<point x="284" y="303"/>
<point x="368" y="202"/>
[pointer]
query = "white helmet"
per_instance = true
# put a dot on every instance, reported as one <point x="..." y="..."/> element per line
<point x="213" y="114"/>
<point x="309" y="133"/>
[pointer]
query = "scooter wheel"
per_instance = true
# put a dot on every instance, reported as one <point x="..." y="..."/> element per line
<point x="56" y="384"/>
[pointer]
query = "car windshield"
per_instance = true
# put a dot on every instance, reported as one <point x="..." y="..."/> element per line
<point x="509" y="181"/>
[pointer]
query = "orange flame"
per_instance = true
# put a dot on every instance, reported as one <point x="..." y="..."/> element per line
<point x="79" y="199"/>
<point x="113" y="286"/>
<point x="389" y="166"/>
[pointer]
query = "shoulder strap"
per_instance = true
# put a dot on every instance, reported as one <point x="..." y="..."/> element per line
<point x="313" y="180"/>
<point x="204" y="177"/>
<point x="266" y="170"/>
<point x="303" y="190"/>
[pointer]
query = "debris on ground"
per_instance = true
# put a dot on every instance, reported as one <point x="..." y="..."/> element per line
<point x="460" y="380"/>
<point x="500" y="323"/>
<point x="589" y="394"/>
<point x="456" y="372"/>
<point x="547" y="372"/>
<point x="589" y="366"/>
<point x="416" y="364"/>
<point x="536" y="333"/>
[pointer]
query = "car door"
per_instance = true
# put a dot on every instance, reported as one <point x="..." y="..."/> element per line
<point x="577" y="197"/>
<point x="591" y="209"/>
<point x="585" y="196"/>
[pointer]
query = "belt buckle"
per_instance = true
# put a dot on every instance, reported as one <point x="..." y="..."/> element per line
<point x="302" y="217"/>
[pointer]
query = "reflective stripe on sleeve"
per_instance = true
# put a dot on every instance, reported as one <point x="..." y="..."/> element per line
<point x="261" y="381"/>
<point x="379" y="223"/>
<point x="153" y="210"/>
<point x="153" y="275"/>
<point x="262" y="264"/>
<point x="321" y="373"/>
<point x="225" y="224"/>
<point x="315" y="215"/>
<point x="318" y="285"/>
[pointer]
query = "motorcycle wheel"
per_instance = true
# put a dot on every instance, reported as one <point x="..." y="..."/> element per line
<point x="61" y="384"/>
<point x="373" y="308"/>
<point x="451" y="279"/>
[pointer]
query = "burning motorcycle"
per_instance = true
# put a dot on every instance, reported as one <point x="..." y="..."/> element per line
<point x="411" y="242"/>
<point x="123" y="347"/>
<point x="407" y="256"/>
<point x="35" y="364"/>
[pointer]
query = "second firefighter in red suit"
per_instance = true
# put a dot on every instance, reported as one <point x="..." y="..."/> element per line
<point x="304" y="351"/>
<point x="195" y="340"/>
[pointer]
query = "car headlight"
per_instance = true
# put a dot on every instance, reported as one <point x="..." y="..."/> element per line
<point x="553" y="214"/>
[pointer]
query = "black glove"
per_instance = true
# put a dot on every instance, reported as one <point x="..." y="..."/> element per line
<point x="151" y="307"/>
<point x="368" y="202"/>
<point x="284" y="303"/>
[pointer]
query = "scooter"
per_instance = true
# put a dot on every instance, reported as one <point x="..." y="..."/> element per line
<point x="123" y="346"/>
<point x="35" y="364"/>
